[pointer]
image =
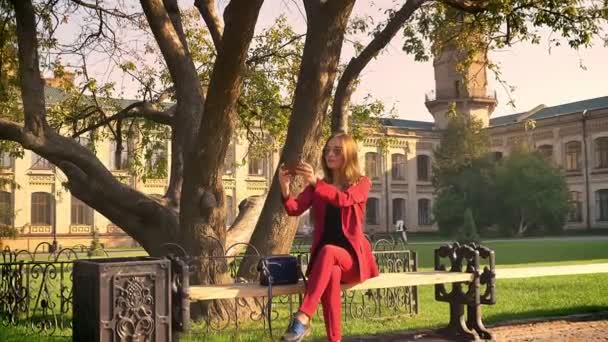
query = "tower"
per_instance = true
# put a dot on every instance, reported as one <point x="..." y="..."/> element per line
<point x="465" y="88"/>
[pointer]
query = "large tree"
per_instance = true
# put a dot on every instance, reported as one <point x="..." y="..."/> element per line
<point x="533" y="194"/>
<point x="462" y="174"/>
<point x="213" y="84"/>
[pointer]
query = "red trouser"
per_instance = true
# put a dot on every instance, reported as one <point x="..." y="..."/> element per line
<point x="332" y="265"/>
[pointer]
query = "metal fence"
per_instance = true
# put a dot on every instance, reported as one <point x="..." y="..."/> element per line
<point x="36" y="291"/>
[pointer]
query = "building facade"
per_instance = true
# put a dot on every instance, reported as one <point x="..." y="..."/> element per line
<point x="573" y="135"/>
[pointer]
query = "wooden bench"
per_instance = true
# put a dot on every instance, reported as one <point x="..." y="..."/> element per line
<point x="471" y="276"/>
<point x="384" y="280"/>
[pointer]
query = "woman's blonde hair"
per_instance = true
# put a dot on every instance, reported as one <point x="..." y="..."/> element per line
<point x="350" y="169"/>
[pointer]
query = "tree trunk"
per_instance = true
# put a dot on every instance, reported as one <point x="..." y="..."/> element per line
<point x="326" y="23"/>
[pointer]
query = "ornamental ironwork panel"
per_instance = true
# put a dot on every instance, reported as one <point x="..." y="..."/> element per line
<point x="122" y="299"/>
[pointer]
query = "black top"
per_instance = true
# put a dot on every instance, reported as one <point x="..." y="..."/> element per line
<point x="332" y="233"/>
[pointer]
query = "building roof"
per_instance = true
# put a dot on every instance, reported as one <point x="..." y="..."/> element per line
<point x="553" y="111"/>
<point x="55" y="95"/>
<point x="410" y="124"/>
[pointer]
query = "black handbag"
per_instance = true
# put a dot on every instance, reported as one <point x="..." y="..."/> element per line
<point x="278" y="270"/>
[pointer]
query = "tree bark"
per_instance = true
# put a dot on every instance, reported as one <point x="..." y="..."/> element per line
<point x="346" y="84"/>
<point x="241" y="230"/>
<point x="202" y="210"/>
<point x="166" y="26"/>
<point x="326" y="25"/>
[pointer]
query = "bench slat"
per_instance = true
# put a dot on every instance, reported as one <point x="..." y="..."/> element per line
<point x="384" y="280"/>
<point x="387" y="280"/>
<point x="543" y="271"/>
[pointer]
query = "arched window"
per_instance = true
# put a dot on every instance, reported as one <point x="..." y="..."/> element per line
<point x="573" y="156"/>
<point x="40" y="163"/>
<point x="372" y="165"/>
<point x="398" y="209"/>
<point x="601" y="152"/>
<point x="257" y="165"/>
<point x="576" y="207"/>
<point x="82" y="214"/>
<point x="230" y="216"/>
<point x="497" y="156"/>
<point x="6" y="208"/>
<point x="546" y="151"/>
<point x="119" y="161"/>
<point x="424" y="212"/>
<point x="6" y="161"/>
<point x="423" y="165"/>
<point x="43" y="205"/>
<point x="398" y="166"/>
<point x="157" y="158"/>
<point x="371" y="210"/>
<point x="601" y="204"/>
<point x="229" y="160"/>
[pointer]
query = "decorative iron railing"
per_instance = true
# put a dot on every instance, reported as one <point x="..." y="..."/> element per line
<point x="36" y="290"/>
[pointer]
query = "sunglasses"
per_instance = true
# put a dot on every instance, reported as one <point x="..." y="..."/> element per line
<point x="334" y="150"/>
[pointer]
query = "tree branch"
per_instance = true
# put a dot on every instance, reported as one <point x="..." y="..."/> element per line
<point x="113" y="12"/>
<point x="11" y="131"/>
<point x="256" y="59"/>
<point x="215" y="24"/>
<point x="32" y="87"/>
<point x="175" y="15"/>
<point x="141" y="109"/>
<point x="469" y="6"/>
<point x="346" y="84"/>
<point x="187" y="87"/>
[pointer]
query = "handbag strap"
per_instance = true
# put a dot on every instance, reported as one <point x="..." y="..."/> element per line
<point x="266" y="271"/>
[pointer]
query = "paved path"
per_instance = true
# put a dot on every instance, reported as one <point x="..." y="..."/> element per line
<point x="582" y="328"/>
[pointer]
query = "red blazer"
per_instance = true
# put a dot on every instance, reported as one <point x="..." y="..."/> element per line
<point x="352" y="206"/>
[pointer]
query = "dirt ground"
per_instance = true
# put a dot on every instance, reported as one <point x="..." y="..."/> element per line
<point x="584" y="328"/>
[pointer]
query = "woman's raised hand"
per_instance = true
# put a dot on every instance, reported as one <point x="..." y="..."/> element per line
<point x="307" y="172"/>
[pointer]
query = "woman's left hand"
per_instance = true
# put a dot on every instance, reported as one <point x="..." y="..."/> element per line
<point x="307" y="172"/>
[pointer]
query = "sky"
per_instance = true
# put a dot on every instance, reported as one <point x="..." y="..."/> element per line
<point x="540" y="76"/>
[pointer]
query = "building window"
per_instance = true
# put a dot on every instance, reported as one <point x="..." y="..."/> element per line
<point x="40" y="163"/>
<point x="601" y="152"/>
<point x="43" y="205"/>
<point x="576" y="207"/>
<point x="157" y="158"/>
<point x="6" y="161"/>
<point x="229" y="210"/>
<point x="573" y="156"/>
<point x="398" y="209"/>
<point x="546" y="151"/>
<point x="424" y="212"/>
<point x="119" y="160"/>
<point x="601" y="204"/>
<point x="257" y="165"/>
<point x="82" y="214"/>
<point x="229" y="160"/>
<point x="423" y="166"/>
<point x="372" y="165"/>
<point x="398" y="166"/>
<point x="497" y="156"/>
<point x="85" y="141"/>
<point x="6" y="208"/>
<point x="371" y="210"/>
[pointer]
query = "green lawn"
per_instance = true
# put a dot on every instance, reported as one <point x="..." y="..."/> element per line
<point x="517" y="298"/>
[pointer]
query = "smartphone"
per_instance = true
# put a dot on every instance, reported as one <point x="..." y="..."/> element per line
<point x="292" y="165"/>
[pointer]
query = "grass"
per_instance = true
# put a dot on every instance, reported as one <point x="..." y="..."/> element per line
<point x="517" y="298"/>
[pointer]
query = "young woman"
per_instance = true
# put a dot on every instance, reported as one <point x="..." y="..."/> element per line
<point x="339" y="253"/>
